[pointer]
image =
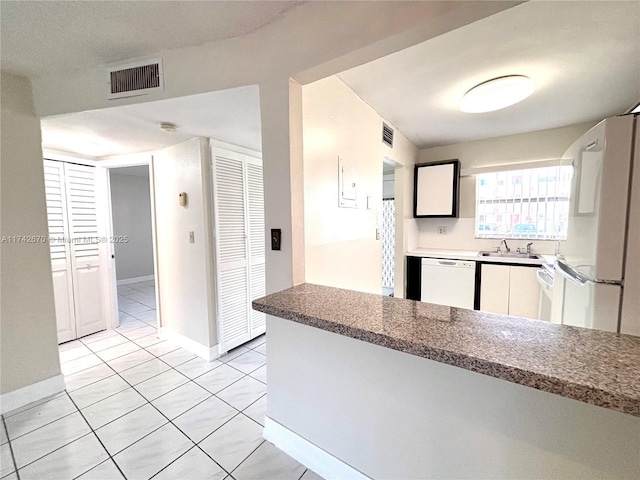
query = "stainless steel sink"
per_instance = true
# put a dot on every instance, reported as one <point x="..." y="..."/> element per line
<point x="529" y="256"/>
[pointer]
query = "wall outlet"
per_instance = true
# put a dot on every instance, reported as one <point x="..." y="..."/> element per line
<point x="442" y="230"/>
<point x="192" y="238"/>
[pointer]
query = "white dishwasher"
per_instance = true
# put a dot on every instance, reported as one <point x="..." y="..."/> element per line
<point x="448" y="282"/>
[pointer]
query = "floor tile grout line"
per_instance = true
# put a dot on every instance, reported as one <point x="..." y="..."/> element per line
<point x="252" y="403"/>
<point x="245" y="458"/>
<point x="13" y="457"/>
<point x="35" y="403"/>
<point x="41" y="426"/>
<point x="99" y="440"/>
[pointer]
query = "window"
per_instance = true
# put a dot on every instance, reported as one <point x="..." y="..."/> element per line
<point x="527" y="204"/>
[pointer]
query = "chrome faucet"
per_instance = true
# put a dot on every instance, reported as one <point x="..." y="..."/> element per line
<point x="506" y="247"/>
<point x="528" y="249"/>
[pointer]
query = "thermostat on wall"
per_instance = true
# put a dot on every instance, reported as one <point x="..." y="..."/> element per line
<point x="182" y="198"/>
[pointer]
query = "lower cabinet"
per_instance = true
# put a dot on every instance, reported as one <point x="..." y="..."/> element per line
<point x="510" y="290"/>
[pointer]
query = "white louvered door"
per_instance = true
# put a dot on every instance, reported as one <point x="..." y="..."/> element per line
<point x="255" y="211"/>
<point x="239" y="221"/>
<point x="76" y="260"/>
<point x="60" y="251"/>
<point x="85" y="249"/>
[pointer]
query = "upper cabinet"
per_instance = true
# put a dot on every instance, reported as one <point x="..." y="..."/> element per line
<point x="436" y="189"/>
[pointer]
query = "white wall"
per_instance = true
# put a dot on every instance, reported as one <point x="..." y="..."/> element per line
<point x="28" y="341"/>
<point x="389" y="414"/>
<point x="131" y="215"/>
<point x="512" y="149"/>
<point x="388" y="186"/>
<point x="184" y="273"/>
<point x="341" y="249"/>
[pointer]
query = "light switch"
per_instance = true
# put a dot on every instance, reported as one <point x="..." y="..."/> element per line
<point x="192" y="238"/>
<point x="276" y="236"/>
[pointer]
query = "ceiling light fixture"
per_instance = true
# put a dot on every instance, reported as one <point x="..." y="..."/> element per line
<point x="497" y="93"/>
<point x="169" y="127"/>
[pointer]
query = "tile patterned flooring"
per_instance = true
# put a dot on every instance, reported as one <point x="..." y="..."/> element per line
<point x="137" y="407"/>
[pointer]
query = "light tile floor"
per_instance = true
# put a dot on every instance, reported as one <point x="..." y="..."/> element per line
<point x="137" y="407"/>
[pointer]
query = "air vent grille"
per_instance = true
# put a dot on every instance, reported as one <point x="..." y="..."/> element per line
<point x="387" y="135"/>
<point x="135" y="79"/>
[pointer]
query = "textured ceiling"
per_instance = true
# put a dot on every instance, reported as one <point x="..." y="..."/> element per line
<point x="583" y="56"/>
<point x="41" y="37"/>
<point x="230" y="115"/>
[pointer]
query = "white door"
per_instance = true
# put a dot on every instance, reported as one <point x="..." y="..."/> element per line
<point x="86" y="258"/>
<point x="240" y="240"/>
<point x="231" y="247"/>
<point x="60" y="250"/>
<point x="255" y="213"/>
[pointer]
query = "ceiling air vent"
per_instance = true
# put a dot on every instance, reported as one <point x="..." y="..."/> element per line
<point x="387" y="135"/>
<point x="141" y="78"/>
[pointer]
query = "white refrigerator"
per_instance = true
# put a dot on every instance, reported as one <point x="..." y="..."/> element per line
<point x="597" y="281"/>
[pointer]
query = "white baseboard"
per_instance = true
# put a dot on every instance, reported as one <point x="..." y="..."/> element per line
<point x="308" y="454"/>
<point x="31" y="393"/>
<point x="202" y="351"/>
<point x="127" y="281"/>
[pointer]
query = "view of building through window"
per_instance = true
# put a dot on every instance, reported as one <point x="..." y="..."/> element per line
<point x="527" y="204"/>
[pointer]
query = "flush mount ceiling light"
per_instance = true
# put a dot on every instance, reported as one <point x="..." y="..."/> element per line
<point x="497" y="93"/>
<point x="169" y="127"/>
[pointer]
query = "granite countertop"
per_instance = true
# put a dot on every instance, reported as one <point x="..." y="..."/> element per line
<point x="473" y="255"/>
<point x="591" y="366"/>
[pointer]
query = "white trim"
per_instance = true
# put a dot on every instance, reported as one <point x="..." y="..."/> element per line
<point x="69" y="157"/>
<point x="127" y="281"/>
<point x="308" y="454"/>
<point x="31" y="393"/>
<point x="126" y="160"/>
<point x="234" y="148"/>
<point x="202" y="351"/>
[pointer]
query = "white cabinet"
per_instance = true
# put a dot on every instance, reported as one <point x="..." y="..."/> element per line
<point x="240" y="245"/>
<point x="494" y="288"/>
<point x="76" y="258"/>
<point x="509" y="290"/>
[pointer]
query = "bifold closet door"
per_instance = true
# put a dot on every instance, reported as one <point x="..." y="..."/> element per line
<point x="85" y="250"/>
<point x="76" y="261"/>
<point x="60" y="250"/>
<point x="255" y="210"/>
<point x="231" y="236"/>
<point x="240" y="237"/>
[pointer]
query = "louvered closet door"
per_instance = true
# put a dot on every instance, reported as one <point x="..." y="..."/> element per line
<point x="255" y="211"/>
<point x="85" y="249"/>
<point x="231" y="245"/>
<point x="60" y="251"/>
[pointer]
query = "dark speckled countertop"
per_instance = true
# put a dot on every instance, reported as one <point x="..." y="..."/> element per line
<point x="592" y="366"/>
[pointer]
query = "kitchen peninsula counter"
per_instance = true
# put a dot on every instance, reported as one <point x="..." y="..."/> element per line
<point x="594" y="367"/>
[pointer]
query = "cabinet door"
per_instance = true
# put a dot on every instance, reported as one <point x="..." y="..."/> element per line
<point x="524" y="292"/>
<point x="494" y="289"/>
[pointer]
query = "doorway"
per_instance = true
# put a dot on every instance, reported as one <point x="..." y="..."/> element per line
<point x="388" y="233"/>
<point x="132" y="246"/>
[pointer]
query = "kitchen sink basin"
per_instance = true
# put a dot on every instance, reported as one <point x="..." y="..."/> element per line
<point x="529" y="256"/>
